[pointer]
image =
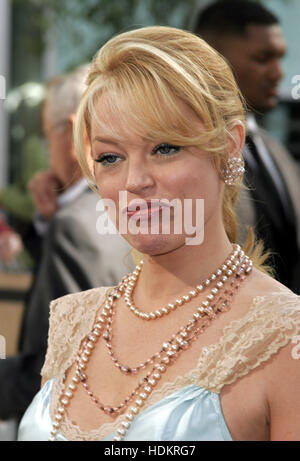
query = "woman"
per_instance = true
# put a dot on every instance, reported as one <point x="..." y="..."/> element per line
<point x="196" y="343"/>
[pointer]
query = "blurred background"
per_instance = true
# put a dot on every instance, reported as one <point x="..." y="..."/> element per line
<point x="41" y="38"/>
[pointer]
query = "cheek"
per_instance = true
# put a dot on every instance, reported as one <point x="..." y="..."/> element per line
<point x="107" y="182"/>
<point x="253" y="75"/>
<point x="247" y="74"/>
<point x="200" y="181"/>
<point x="58" y="149"/>
<point x="108" y="189"/>
<point x="55" y="154"/>
<point x="207" y="185"/>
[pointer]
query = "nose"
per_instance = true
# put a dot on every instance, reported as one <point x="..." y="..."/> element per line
<point x="140" y="178"/>
<point x="276" y="71"/>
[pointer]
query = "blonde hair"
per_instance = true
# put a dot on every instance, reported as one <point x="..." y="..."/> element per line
<point x="153" y="68"/>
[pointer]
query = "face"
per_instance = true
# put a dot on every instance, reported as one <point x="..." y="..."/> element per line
<point x="152" y="170"/>
<point x="256" y="62"/>
<point x="59" y="138"/>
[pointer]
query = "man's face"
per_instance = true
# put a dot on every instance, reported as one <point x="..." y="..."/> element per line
<point x="256" y="62"/>
<point x="59" y="137"/>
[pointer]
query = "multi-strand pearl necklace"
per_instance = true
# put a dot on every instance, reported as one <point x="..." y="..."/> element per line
<point x="223" y="272"/>
<point x="240" y="267"/>
<point x="204" y="308"/>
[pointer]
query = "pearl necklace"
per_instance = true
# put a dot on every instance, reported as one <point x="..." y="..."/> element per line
<point x="200" y="312"/>
<point x="153" y="377"/>
<point x="130" y="282"/>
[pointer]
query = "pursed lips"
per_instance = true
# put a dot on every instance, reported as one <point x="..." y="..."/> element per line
<point x="145" y="207"/>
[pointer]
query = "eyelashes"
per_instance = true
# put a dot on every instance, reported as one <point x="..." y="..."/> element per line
<point x="166" y="149"/>
<point x="106" y="159"/>
<point x="162" y="150"/>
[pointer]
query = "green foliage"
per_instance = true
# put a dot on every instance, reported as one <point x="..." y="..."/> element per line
<point x="118" y="13"/>
<point x="113" y="15"/>
<point x="87" y="24"/>
<point x="15" y="198"/>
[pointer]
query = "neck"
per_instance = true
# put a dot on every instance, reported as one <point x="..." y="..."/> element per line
<point x="172" y="274"/>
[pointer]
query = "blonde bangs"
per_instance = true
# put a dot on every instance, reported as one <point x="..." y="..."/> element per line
<point x="148" y="109"/>
<point x="140" y="77"/>
<point x="149" y="106"/>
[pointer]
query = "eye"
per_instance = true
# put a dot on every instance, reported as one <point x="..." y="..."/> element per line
<point x="107" y="159"/>
<point x="260" y="59"/>
<point x="165" y="149"/>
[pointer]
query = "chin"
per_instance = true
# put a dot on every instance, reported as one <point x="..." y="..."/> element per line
<point x="155" y="244"/>
<point x="269" y="104"/>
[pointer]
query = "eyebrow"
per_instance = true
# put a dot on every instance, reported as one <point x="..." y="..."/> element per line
<point x="105" y="140"/>
<point x="112" y="141"/>
<point x="272" y="52"/>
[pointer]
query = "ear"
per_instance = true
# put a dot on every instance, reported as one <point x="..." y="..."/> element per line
<point x="233" y="164"/>
<point x="71" y="119"/>
<point x="236" y="139"/>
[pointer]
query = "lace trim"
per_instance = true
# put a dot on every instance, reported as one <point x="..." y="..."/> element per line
<point x="245" y="343"/>
<point x="71" y="319"/>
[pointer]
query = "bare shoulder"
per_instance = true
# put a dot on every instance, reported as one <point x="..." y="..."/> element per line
<point x="263" y="284"/>
<point x="275" y="316"/>
<point x="268" y="335"/>
<point x="261" y="291"/>
<point x="280" y="304"/>
<point x="282" y="391"/>
<point x="281" y="373"/>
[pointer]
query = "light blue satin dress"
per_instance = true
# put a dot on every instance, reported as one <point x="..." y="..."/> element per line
<point x="190" y="414"/>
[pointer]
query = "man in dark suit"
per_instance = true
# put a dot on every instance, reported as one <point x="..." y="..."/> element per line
<point x="75" y="256"/>
<point x="250" y="38"/>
